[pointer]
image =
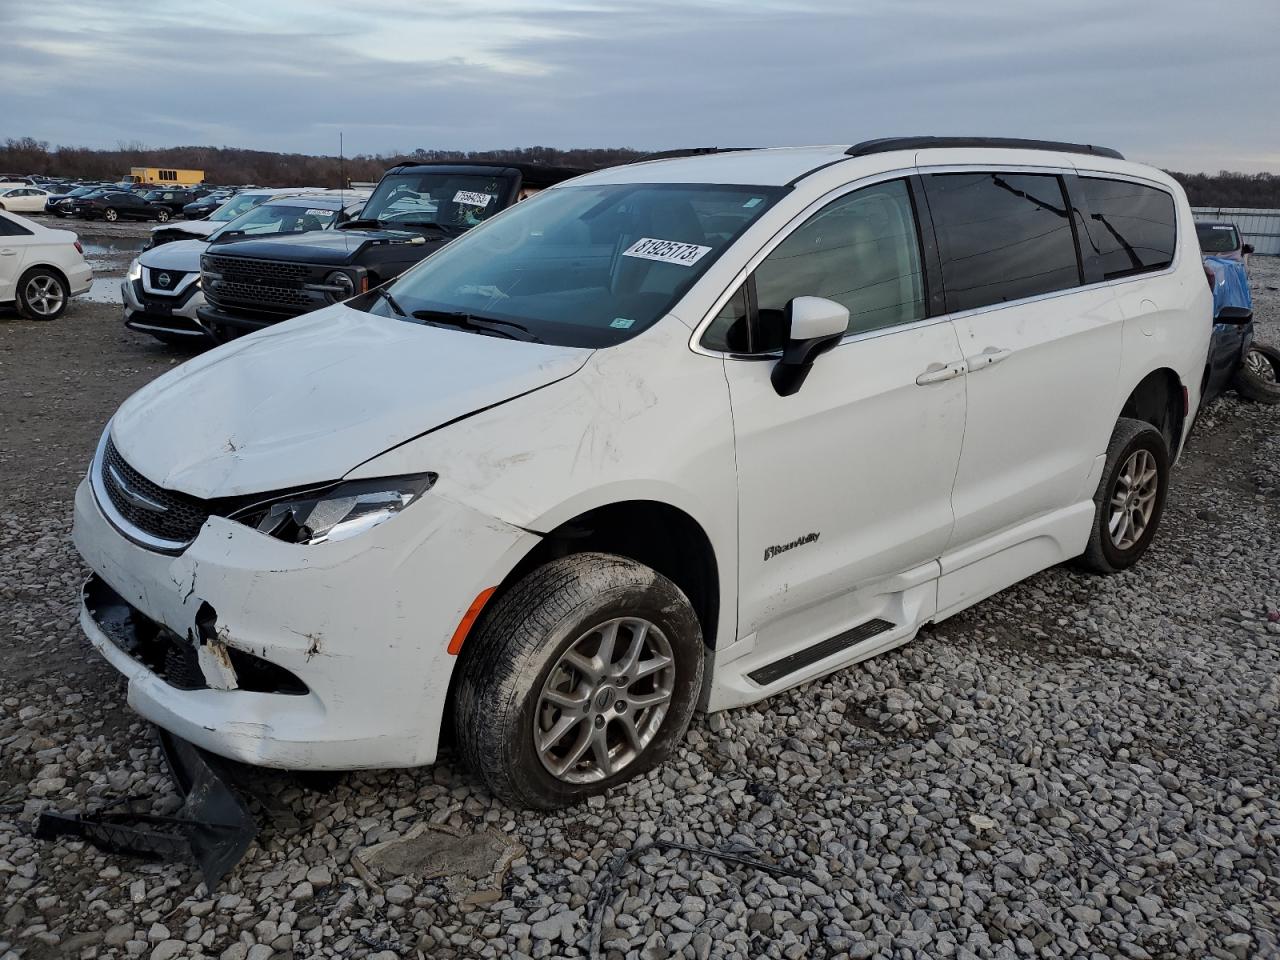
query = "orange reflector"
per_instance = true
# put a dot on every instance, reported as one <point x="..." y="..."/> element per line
<point x="364" y="284"/>
<point x="468" y="618"/>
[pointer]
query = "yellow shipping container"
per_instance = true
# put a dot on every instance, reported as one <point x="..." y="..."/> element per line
<point x="166" y="177"/>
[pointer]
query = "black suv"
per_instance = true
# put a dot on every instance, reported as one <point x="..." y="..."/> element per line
<point x="415" y="209"/>
<point x="174" y="200"/>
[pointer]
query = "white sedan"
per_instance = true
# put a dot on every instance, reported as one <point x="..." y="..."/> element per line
<point x="21" y="199"/>
<point x="40" y="269"/>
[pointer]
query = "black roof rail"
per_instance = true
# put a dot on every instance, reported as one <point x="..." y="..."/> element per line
<point x="885" y="144"/>
<point x="688" y="152"/>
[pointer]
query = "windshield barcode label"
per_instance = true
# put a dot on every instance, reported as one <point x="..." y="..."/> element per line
<point x="667" y="251"/>
<point x="472" y="199"/>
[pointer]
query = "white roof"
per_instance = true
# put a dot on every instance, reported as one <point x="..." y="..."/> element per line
<point x="779" y="166"/>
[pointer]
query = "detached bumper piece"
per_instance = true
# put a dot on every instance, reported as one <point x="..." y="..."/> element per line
<point x="212" y="829"/>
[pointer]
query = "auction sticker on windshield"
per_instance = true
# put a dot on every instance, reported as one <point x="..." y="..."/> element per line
<point x="472" y="199"/>
<point x="667" y="251"/>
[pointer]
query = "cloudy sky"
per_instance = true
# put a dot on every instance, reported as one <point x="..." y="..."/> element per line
<point x="1186" y="84"/>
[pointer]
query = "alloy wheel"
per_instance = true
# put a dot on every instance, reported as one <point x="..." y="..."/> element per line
<point x="1260" y="365"/>
<point x="1133" y="499"/>
<point x="44" y="295"/>
<point x="604" y="700"/>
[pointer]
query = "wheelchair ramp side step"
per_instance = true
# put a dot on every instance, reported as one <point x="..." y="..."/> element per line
<point x="772" y="672"/>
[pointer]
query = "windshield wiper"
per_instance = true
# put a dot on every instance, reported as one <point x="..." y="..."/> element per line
<point x="446" y="229"/>
<point x="469" y="321"/>
<point x="391" y="301"/>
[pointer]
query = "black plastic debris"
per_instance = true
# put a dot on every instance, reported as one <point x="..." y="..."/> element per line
<point x="212" y="829"/>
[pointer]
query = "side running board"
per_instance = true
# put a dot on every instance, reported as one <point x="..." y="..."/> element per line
<point x="772" y="672"/>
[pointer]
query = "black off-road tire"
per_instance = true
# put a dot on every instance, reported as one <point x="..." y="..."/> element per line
<point x="1253" y="387"/>
<point x="1102" y="555"/>
<point x="518" y="641"/>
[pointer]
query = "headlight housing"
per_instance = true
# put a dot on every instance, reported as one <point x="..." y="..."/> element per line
<point x="336" y="513"/>
<point x="135" y="270"/>
<point x="345" y="283"/>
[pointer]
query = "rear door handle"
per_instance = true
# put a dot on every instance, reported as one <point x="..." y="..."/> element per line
<point x="988" y="357"/>
<point x="938" y="372"/>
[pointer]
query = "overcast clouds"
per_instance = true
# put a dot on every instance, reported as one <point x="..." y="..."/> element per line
<point x="1186" y="85"/>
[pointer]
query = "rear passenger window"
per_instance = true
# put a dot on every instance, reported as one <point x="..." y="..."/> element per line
<point x="1001" y="236"/>
<point x="1129" y="228"/>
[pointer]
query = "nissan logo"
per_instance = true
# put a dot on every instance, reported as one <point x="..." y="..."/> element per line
<point x="164" y="279"/>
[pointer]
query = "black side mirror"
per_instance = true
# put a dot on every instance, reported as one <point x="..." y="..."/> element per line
<point x="814" y="326"/>
<point x="1236" y="316"/>
<point x="1246" y="248"/>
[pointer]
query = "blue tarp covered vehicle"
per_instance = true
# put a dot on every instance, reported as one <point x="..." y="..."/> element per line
<point x="1234" y="359"/>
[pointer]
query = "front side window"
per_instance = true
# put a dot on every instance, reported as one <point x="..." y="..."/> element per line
<point x="1001" y="237"/>
<point x="584" y="266"/>
<point x="1217" y="237"/>
<point x="862" y="251"/>
<point x="1130" y="228"/>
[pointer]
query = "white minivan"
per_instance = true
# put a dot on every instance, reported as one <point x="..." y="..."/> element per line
<point x="678" y="434"/>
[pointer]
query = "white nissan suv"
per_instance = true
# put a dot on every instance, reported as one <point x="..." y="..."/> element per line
<point x="681" y="433"/>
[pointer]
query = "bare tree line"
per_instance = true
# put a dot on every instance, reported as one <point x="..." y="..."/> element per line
<point x="231" y="165"/>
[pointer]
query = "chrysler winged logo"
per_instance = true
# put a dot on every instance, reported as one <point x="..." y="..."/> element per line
<point x="163" y="279"/>
<point x="133" y="496"/>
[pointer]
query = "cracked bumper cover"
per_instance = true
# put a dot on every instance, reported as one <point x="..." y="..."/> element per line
<point x="364" y="623"/>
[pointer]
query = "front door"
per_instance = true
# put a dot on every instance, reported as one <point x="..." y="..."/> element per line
<point x="844" y="487"/>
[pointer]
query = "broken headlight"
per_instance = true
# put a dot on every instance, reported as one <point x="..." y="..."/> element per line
<point x="338" y="512"/>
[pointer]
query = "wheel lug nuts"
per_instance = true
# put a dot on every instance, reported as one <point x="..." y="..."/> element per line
<point x="599" y="721"/>
<point x="621" y="681"/>
<point x="620" y="706"/>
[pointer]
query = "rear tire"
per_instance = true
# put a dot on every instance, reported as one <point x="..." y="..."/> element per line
<point x="162" y="216"/>
<point x="597" y="646"/>
<point x="1130" y="498"/>
<point x="1258" y="378"/>
<point x="42" y="294"/>
<point x="110" y="215"/>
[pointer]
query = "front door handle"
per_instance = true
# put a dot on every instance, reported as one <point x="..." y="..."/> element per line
<point x="938" y="372"/>
<point x="7" y="252"/>
<point x="988" y="357"/>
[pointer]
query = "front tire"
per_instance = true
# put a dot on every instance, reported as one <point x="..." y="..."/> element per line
<point x="162" y="216"/>
<point x="581" y="676"/>
<point x="1258" y="378"/>
<point x="42" y="294"/>
<point x="1130" y="497"/>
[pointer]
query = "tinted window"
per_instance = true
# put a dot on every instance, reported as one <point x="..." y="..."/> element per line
<point x="1129" y="227"/>
<point x="1001" y="236"/>
<point x="10" y="229"/>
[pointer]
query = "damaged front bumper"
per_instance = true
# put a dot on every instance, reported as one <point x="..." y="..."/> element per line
<point x="325" y="657"/>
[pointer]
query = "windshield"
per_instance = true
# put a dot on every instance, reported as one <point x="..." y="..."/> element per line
<point x="275" y="218"/>
<point x="454" y="202"/>
<point x="236" y="206"/>
<point x="1217" y="238"/>
<point x="583" y="266"/>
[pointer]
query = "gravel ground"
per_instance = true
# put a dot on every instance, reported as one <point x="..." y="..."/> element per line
<point x="1079" y="766"/>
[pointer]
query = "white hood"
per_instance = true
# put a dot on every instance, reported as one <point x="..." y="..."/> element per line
<point x="177" y="255"/>
<point x="308" y="400"/>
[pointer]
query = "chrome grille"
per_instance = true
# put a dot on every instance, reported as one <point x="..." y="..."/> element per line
<point x="155" y="511"/>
